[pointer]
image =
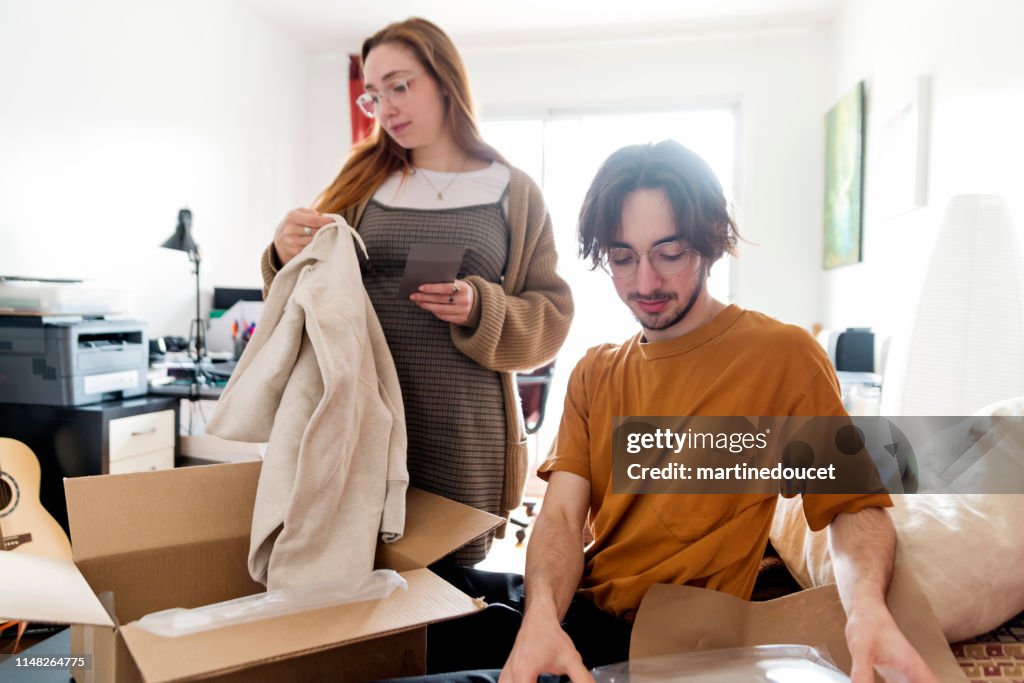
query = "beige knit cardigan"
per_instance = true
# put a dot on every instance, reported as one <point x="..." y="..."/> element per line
<point x="517" y="325"/>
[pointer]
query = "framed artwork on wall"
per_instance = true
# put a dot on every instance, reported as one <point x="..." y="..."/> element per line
<point x="844" y="179"/>
<point x="899" y="115"/>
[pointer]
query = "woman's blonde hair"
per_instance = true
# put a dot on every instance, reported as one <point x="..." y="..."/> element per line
<point x="372" y="160"/>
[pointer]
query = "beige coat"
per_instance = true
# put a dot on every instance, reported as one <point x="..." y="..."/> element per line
<point x="317" y="381"/>
<point x="519" y="324"/>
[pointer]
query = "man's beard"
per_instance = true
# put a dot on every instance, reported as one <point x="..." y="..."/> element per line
<point x="683" y="313"/>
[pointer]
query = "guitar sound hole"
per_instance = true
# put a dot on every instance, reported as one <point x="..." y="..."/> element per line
<point x="6" y="494"/>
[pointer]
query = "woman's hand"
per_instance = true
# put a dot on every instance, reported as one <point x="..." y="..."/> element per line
<point x="296" y="231"/>
<point x="451" y="302"/>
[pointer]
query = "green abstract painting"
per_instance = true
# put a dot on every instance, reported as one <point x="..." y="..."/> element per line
<point x="844" y="179"/>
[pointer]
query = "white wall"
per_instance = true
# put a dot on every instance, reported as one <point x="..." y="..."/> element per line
<point x="117" y="113"/>
<point x="973" y="54"/>
<point x="330" y="126"/>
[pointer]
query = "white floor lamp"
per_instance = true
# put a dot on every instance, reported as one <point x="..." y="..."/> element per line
<point x="966" y="348"/>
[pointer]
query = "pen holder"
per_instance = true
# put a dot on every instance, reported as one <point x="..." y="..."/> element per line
<point x="240" y="344"/>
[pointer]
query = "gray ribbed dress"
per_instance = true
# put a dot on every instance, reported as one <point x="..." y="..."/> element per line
<point x="454" y="410"/>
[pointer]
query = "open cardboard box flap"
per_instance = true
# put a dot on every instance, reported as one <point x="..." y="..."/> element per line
<point x="45" y="590"/>
<point x="428" y="599"/>
<point x="180" y="538"/>
<point x="812" y="617"/>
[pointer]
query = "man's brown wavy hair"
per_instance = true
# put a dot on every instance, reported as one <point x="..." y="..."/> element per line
<point x="701" y="212"/>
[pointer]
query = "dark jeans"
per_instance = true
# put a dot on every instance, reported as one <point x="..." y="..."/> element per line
<point x="478" y="645"/>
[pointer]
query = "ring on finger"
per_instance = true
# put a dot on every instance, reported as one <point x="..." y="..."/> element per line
<point x="451" y="299"/>
<point x="455" y="288"/>
<point x="307" y="231"/>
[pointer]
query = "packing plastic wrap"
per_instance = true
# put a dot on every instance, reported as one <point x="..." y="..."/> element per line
<point x="757" y="664"/>
<point x="179" y="621"/>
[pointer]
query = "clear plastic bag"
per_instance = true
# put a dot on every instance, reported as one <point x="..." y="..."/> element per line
<point x="757" y="664"/>
<point x="181" y="622"/>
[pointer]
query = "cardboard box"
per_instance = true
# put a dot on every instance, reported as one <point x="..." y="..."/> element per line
<point x="180" y="538"/>
<point x="814" y="617"/>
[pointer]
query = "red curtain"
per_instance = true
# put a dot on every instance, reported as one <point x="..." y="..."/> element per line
<point x="361" y="123"/>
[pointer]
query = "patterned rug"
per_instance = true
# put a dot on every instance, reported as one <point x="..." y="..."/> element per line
<point x="996" y="656"/>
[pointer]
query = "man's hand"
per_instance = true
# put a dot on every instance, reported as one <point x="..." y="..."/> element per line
<point x="876" y="642"/>
<point x="863" y="546"/>
<point x="542" y="647"/>
<point x="554" y="564"/>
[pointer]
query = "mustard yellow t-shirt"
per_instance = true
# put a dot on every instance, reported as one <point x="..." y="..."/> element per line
<point x="739" y="363"/>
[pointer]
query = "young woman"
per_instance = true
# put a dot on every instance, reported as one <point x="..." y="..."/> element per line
<point x="424" y="175"/>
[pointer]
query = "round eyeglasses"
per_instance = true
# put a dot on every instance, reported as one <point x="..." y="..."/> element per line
<point x="394" y="91"/>
<point x="667" y="258"/>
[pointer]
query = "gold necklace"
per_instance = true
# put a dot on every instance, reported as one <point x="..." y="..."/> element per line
<point x="440" y="193"/>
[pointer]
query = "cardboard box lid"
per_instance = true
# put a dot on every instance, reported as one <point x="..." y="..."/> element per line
<point x="434" y="527"/>
<point x="812" y="617"/>
<point x="46" y="590"/>
<point x="428" y="599"/>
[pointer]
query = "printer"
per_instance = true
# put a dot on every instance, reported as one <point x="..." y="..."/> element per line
<point x="69" y="360"/>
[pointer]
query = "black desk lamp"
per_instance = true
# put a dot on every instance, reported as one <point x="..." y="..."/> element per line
<point x="182" y="240"/>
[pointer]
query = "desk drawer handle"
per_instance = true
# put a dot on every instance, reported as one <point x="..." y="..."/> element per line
<point x="151" y="430"/>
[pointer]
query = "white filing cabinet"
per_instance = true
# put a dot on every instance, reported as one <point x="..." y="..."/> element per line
<point x="140" y="443"/>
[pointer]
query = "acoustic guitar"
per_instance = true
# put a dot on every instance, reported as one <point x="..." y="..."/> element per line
<point x="25" y="525"/>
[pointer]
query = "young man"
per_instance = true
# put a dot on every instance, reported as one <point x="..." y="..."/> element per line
<point x="656" y="219"/>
